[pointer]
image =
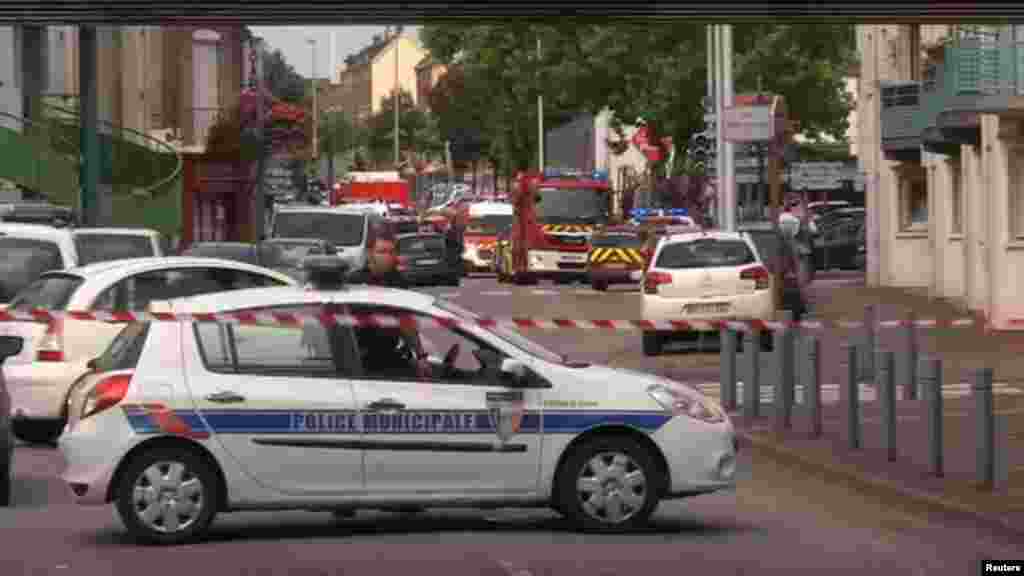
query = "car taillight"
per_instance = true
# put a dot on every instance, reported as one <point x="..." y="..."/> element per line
<point x="760" y="276"/>
<point x="105" y="394"/>
<point x="51" y="348"/>
<point x="654" y="279"/>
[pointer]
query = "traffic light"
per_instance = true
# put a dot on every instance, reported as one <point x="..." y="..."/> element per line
<point x="701" y="150"/>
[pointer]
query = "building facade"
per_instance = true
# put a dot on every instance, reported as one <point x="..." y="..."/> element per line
<point x="428" y="73"/>
<point x="942" y="147"/>
<point x="369" y="76"/>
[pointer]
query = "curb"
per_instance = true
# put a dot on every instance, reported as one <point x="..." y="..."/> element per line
<point x="873" y="483"/>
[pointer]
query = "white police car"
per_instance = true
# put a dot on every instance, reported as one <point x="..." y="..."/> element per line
<point x="182" y="420"/>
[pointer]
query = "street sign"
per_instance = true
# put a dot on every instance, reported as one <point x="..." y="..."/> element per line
<point x="754" y="118"/>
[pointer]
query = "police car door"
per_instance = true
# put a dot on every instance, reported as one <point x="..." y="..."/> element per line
<point x="449" y="432"/>
<point x="280" y="401"/>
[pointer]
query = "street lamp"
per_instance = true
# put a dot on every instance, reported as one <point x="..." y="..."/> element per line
<point x="316" y="108"/>
<point x="397" y="101"/>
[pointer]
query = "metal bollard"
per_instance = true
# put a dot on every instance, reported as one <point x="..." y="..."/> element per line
<point x="752" y="383"/>
<point x="812" y="384"/>
<point x="867" y="372"/>
<point x="910" y="391"/>
<point x="783" y="393"/>
<point x="930" y="378"/>
<point x="885" y="364"/>
<point x="984" y="416"/>
<point x="852" y="397"/>
<point x="730" y="344"/>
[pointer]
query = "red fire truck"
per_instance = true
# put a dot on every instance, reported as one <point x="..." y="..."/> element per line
<point x="555" y="215"/>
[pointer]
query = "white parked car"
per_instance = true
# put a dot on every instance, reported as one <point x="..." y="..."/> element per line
<point x="31" y="249"/>
<point x="56" y="354"/>
<point x="182" y="421"/>
<point x="708" y="275"/>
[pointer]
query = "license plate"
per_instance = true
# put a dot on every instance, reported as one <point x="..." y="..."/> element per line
<point x="574" y="258"/>
<point x="615" y="265"/>
<point x="428" y="262"/>
<point x="706" y="308"/>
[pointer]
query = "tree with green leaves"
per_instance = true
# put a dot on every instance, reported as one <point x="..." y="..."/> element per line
<point x="417" y="131"/>
<point x="338" y="136"/>
<point x="281" y="78"/>
<point x="655" y="71"/>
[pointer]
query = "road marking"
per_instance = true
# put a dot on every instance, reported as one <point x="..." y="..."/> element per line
<point x="545" y="292"/>
<point x="833" y="393"/>
<point x="495" y="293"/>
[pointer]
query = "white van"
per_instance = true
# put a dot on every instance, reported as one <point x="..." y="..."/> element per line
<point x="350" y="229"/>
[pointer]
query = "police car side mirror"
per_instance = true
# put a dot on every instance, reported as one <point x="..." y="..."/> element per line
<point x="515" y="374"/>
<point x="10" y="346"/>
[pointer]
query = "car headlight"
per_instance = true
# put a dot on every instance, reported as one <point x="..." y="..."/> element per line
<point x="679" y="400"/>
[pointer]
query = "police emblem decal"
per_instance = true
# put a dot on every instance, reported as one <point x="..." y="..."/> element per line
<point x="505" y="410"/>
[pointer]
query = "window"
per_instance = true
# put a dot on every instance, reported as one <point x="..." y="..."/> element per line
<point x="704" y="253"/>
<point x="51" y="292"/>
<point x="913" y="200"/>
<point x="93" y="248"/>
<point x="340" y="228"/>
<point x="427" y="353"/>
<point x="136" y="292"/>
<point x="956" y="186"/>
<point x="124" y="352"/>
<point x="312" y="349"/>
<point x="23" y="261"/>
<point x="1015" y="191"/>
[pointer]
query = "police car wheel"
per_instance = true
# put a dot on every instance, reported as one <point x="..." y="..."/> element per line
<point x="608" y="484"/>
<point x="652" y="343"/>
<point x="5" y="477"/>
<point x="167" y="496"/>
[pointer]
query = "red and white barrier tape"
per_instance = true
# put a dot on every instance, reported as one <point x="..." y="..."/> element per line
<point x="281" y="319"/>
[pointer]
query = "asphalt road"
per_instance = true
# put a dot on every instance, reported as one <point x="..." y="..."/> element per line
<point x="776" y="521"/>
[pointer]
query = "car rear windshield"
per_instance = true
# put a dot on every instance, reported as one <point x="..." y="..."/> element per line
<point x="617" y="241"/>
<point x="124" y="352"/>
<point x="23" y="261"/>
<point x="421" y="245"/>
<point x="705" y="253"/>
<point x="94" y="248"/>
<point x="489" y="225"/>
<point x="51" y="292"/>
<point x="340" y="228"/>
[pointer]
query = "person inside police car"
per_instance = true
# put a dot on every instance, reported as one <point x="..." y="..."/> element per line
<point x="392" y="352"/>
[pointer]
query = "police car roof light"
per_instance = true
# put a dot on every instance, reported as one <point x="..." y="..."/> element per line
<point x="325" y="272"/>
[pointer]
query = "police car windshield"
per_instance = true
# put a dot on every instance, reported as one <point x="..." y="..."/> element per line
<point x="510" y="336"/>
<point x="341" y="228"/>
<point x="562" y="205"/>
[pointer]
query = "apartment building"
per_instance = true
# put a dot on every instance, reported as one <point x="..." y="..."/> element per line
<point x="170" y="82"/>
<point x="428" y="72"/>
<point x="369" y="76"/>
<point x="942" y="145"/>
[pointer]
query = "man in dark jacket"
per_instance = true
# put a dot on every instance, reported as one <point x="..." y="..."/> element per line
<point x="454" y="245"/>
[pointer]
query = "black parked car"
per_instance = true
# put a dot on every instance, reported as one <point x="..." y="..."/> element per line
<point x="840" y="244"/>
<point x="9" y="346"/>
<point x="422" y="259"/>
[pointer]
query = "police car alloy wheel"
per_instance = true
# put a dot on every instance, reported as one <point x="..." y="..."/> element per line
<point x="167" y="496"/>
<point x="609" y="484"/>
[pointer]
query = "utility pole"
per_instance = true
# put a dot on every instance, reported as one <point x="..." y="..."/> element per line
<point x="540" y="115"/>
<point x="397" y="101"/>
<point x="316" y="107"/>
<point x="729" y="162"/>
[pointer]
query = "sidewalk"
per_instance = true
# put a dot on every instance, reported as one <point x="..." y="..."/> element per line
<point x="907" y="481"/>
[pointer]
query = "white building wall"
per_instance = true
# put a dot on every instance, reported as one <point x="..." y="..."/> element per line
<point x="10" y="82"/>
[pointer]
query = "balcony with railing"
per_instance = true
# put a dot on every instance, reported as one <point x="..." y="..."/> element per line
<point x="945" y="119"/>
<point x="900" y="103"/>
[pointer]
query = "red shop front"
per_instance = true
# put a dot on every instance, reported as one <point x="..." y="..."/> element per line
<point x="217" y="199"/>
